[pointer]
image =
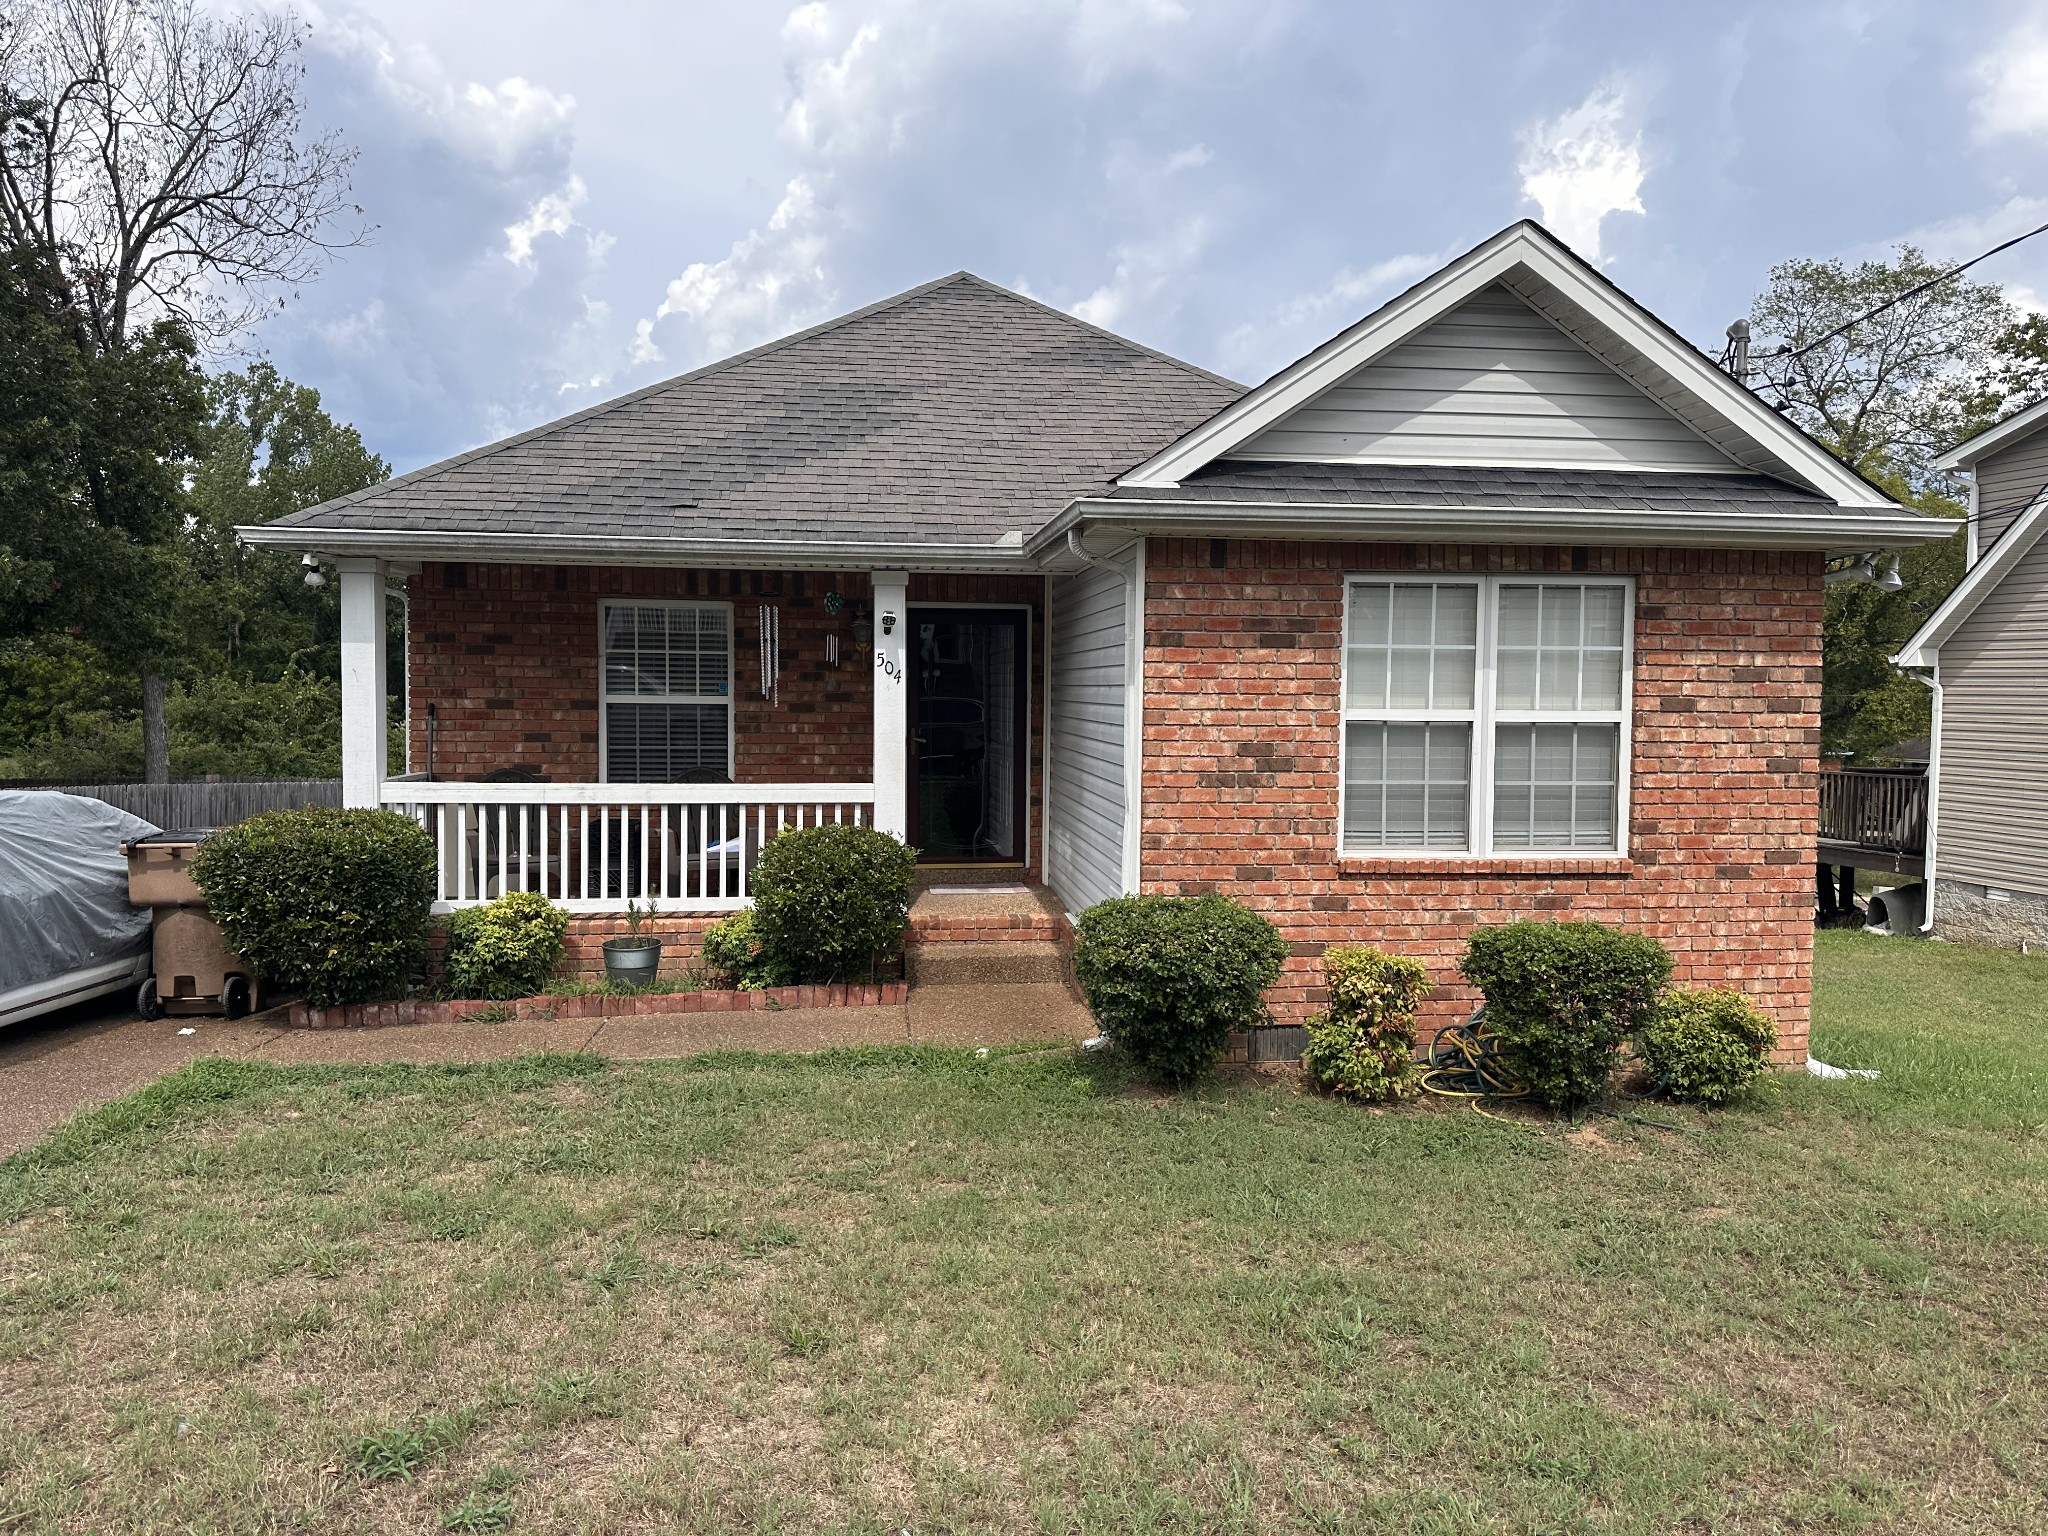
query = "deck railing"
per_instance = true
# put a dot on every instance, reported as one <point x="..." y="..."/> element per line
<point x="595" y="847"/>
<point x="1882" y="808"/>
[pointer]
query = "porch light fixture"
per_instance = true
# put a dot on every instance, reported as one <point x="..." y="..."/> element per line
<point x="863" y="631"/>
<point x="314" y="578"/>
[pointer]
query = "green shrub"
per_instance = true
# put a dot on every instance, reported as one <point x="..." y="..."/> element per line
<point x="331" y="904"/>
<point x="1561" y="998"/>
<point x="829" y="901"/>
<point x="735" y="957"/>
<point x="506" y="949"/>
<point x="1707" y="1046"/>
<point x="1363" y="1045"/>
<point x="1169" y="977"/>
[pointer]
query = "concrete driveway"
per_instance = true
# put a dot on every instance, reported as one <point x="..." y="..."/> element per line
<point x="56" y="1066"/>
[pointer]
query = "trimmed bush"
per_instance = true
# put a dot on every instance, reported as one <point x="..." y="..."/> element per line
<point x="735" y="957"/>
<point x="1169" y="977"/>
<point x="830" y="901"/>
<point x="1707" y="1046"/>
<point x="506" y="949"/>
<point x="1562" y="997"/>
<point x="1363" y="1045"/>
<point x="330" y="904"/>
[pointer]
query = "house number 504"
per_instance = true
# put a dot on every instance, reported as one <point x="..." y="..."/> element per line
<point x="886" y="665"/>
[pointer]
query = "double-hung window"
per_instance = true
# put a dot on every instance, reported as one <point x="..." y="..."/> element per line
<point x="1486" y="715"/>
<point x="666" y="710"/>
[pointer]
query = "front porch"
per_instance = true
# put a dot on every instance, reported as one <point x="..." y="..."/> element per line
<point x="610" y="736"/>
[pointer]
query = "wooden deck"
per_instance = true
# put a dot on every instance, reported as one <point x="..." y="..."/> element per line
<point x="1873" y="818"/>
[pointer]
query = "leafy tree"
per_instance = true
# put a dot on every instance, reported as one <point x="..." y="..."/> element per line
<point x="1888" y="395"/>
<point x="269" y="449"/>
<point x="155" y="168"/>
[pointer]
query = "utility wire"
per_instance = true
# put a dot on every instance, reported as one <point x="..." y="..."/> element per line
<point x="1913" y="292"/>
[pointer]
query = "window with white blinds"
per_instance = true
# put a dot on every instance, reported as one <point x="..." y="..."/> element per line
<point x="1485" y="715"/>
<point x="666" y="707"/>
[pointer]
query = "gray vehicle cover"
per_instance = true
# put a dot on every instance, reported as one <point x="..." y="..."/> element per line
<point x="64" y="886"/>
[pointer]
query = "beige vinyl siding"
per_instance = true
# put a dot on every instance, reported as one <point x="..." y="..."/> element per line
<point x="2006" y="482"/>
<point x="1087" y="818"/>
<point x="1491" y="382"/>
<point x="1992" y="821"/>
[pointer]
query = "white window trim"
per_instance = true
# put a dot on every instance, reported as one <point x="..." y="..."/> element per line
<point x="1485" y="715"/>
<point x="606" y="698"/>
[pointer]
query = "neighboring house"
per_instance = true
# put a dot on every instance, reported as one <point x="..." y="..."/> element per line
<point x="1986" y="652"/>
<point x="1504" y="602"/>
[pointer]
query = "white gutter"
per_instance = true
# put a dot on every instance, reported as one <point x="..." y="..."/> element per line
<point x="581" y="548"/>
<point x="1932" y="678"/>
<point x="1850" y="531"/>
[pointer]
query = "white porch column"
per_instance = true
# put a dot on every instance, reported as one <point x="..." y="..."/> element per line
<point x="892" y="703"/>
<point x="362" y="681"/>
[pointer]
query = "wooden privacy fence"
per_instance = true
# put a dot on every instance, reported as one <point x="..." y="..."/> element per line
<point x="204" y="803"/>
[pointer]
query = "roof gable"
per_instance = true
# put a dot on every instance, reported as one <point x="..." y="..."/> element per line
<point x="1489" y="382"/>
<point x="2021" y="424"/>
<point x="1982" y="580"/>
<point x="1530" y="265"/>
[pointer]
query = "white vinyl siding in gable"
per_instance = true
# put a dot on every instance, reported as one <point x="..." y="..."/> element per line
<point x="1491" y="382"/>
<point x="2006" y="482"/>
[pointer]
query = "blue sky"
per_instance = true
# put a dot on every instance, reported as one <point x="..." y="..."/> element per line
<point x="574" y="201"/>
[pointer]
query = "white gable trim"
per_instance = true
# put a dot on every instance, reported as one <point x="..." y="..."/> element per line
<point x="1521" y="252"/>
<point x="1984" y="576"/>
<point x="1966" y="453"/>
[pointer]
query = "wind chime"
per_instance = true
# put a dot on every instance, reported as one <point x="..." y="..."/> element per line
<point x="771" y="655"/>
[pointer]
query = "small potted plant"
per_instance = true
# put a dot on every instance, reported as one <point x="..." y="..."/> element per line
<point x="633" y="959"/>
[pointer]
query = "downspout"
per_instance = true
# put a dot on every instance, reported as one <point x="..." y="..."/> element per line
<point x="1074" y="548"/>
<point x="1931" y="677"/>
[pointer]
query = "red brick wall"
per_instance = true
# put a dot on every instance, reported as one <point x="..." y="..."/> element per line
<point x="1242" y="675"/>
<point x="508" y="655"/>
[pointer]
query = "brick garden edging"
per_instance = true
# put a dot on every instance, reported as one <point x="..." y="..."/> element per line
<point x="595" y="1005"/>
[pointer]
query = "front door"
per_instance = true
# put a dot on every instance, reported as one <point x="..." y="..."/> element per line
<point x="969" y="722"/>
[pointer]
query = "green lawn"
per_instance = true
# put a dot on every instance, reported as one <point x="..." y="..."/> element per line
<point x="917" y="1289"/>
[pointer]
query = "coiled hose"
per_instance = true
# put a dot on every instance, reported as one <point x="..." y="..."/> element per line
<point x="1465" y="1063"/>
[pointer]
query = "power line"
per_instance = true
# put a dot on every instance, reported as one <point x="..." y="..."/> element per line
<point x="1915" y="291"/>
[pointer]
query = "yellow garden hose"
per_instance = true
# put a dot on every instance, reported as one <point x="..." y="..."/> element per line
<point x="1465" y="1063"/>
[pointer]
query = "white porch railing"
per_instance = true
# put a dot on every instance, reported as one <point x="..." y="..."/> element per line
<point x="595" y="847"/>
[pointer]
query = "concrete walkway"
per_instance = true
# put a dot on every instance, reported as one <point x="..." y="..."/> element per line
<point x="54" y="1067"/>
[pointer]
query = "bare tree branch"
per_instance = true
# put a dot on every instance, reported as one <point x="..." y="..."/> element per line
<point x="161" y="153"/>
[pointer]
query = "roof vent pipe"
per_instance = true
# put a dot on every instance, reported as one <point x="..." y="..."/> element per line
<point x="1736" y="358"/>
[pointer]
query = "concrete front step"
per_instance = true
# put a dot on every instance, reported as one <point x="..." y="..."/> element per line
<point x="964" y="915"/>
<point x="1005" y="962"/>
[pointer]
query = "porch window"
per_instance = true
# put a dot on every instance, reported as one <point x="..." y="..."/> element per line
<point x="1485" y="715"/>
<point x="666" y="712"/>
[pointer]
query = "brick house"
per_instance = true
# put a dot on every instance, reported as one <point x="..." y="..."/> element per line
<point x="1504" y="602"/>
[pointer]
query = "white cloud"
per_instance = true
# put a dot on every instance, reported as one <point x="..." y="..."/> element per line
<point x="553" y="213"/>
<point x="2012" y="79"/>
<point x="1193" y="158"/>
<point x="772" y="282"/>
<point x="1582" y="165"/>
<point x="1146" y="273"/>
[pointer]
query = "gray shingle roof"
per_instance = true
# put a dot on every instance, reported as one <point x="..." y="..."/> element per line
<point x="1422" y="485"/>
<point x="953" y="413"/>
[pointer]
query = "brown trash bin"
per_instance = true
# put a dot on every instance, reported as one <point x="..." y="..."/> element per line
<point x="195" y="971"/>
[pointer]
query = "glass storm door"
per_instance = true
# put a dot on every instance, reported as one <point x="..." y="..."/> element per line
<point x="968" y="725"/>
